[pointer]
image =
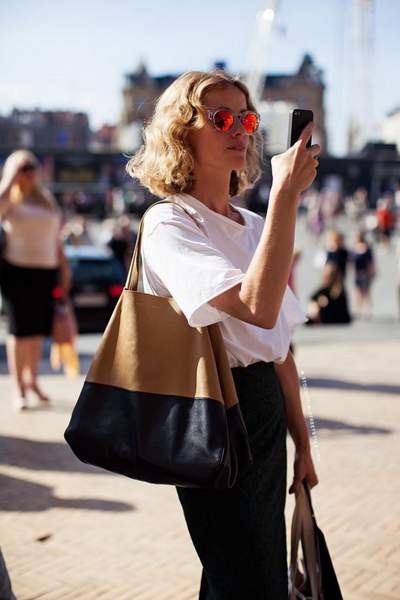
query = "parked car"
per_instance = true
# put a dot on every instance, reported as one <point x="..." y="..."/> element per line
<point x="97" y="282"/>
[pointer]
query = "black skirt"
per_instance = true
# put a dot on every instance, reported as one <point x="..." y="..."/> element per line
<point x="27" y="294"/>
<point x="240" y="534"/>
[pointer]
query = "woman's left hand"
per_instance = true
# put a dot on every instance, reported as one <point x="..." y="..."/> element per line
<point x="303" y="469"/>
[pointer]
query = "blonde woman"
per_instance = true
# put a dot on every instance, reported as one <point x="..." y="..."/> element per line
<point x="225" y="264"/>
<point x="31" y="265"/>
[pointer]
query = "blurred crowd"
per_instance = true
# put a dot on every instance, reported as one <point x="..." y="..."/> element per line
<point x="118" y="234"/>
<point x="323" y="206"/>
<point x="329" y="302"/>
<point x="374" y="228"/>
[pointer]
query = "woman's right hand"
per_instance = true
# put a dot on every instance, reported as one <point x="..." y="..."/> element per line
<point x="295" y="170"/>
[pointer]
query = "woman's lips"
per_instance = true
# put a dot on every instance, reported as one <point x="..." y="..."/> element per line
<point x="239" y="147"/>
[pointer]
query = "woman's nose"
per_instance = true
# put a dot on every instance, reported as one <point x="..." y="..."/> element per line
<point x="239" y="130"/>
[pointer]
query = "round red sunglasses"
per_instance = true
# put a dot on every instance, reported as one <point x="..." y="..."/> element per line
<point x="28" y="167"/>
<point x="224" y="119"/>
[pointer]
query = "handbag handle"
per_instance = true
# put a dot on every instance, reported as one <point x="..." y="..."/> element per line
<point x="133" y="274"/>
<point x="303" y="529"/>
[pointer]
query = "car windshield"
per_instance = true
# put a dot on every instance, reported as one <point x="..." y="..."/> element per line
<point x="87" y="270"/>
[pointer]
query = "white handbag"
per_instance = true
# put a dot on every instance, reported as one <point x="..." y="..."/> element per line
<point x="316" y="580"/>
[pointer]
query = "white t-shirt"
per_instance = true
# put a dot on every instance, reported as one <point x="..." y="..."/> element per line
<point x="194" y="262"/>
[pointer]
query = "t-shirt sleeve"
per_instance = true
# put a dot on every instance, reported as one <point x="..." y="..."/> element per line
<point x="194" y="271"/>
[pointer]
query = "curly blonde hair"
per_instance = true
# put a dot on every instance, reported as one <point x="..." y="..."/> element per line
<point x="165" y="162"/>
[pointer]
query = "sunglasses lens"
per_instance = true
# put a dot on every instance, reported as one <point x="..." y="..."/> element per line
<point x="27" y="168"/>
<point x="223" y="120"/>
<point x="250" y="122"/>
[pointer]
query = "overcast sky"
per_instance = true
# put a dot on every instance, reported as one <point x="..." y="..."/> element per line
<point x="73" y="55"/>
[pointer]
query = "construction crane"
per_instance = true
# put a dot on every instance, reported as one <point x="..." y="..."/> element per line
<point x="360" y="124"/>
<point x="276" y="113"/>
<point x="259" y="53"/>
<point x="361" y="127"/>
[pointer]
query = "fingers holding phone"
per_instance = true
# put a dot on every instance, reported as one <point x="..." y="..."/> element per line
<point x="305" y="139"/>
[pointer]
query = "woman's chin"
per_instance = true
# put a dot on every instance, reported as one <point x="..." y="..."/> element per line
<point x="238" y="164"/>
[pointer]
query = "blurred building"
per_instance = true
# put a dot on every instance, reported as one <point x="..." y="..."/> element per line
<point x="140" y="92"/>
<point x="302" y="89"/>
<point x="105" y="139"/>
<point x="390" y="129"/>
<point x="138" y="99"/>
<point x="37" y="129"/>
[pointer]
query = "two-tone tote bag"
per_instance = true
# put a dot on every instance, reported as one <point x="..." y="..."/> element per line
<point x="317" y="579"/>
<point x="159" y="402"/>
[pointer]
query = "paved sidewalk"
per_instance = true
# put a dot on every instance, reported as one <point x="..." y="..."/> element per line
<point x="69" y="531"/>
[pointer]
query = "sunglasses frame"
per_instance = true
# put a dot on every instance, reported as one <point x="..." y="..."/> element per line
<point x="28" y="168"/>
<point x="211" y="112"/>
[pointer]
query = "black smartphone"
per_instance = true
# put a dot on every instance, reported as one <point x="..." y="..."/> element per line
<point x="298" y="119"/>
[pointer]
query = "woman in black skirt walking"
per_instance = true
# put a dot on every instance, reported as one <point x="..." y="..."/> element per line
<point x="226" y="264"/>
<point x="33" y="264"/>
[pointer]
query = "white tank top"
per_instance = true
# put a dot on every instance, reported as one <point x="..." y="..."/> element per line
<point x="32" y="234"/>
<point x="193" y="263"/>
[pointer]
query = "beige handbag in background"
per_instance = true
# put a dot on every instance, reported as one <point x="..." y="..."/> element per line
<point x="62" y="351"/>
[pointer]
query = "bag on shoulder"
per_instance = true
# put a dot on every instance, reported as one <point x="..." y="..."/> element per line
<point x="159" y="402"/>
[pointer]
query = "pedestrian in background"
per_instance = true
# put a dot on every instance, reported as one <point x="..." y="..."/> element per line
<point x="337" y="252"/>
<point x="292" y="283"/>
<point x="363" y="263"/>
<point x="385" y="220"/>
<point x="315" y="216"/>
<point x="33" y="265"/>
<point x="122" y="242"/>
<point x="75" y="232"/>
<point x="328" y="304"/>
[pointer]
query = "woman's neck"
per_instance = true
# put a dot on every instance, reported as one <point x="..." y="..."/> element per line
<point x="212" y="189"/>
<point x="25" y="191"/>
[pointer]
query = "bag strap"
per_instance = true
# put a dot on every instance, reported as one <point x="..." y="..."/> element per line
<point x="295" y="539"/>
<point x="133" y="274"/>
<point x="303" y="529"/>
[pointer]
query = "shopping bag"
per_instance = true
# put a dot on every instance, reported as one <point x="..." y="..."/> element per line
<point x="316" y="580"/>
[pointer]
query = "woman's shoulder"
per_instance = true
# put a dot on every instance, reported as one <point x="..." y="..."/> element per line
<point x="172" y="212"/>
<point x="167" y="212"/>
